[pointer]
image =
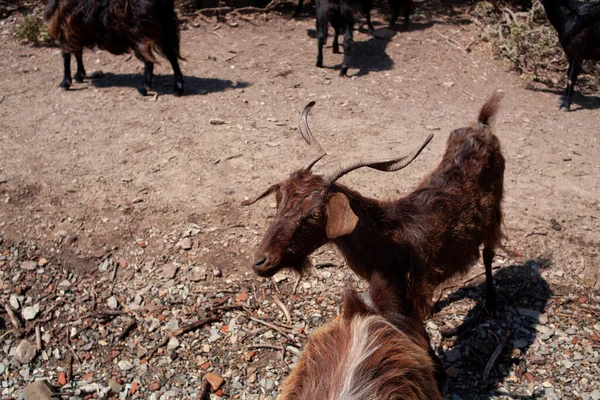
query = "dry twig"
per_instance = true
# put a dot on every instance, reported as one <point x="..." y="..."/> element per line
<point x="281" y="331"/>
<point x="127" y="329"/>
<point x="283" y="308"/>
<point x="13" y="318"/>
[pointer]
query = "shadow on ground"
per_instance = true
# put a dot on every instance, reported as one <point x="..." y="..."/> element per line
<point x="478" y="338"/>
<point x="581" y="101"/>
<point x="163" y="84"/>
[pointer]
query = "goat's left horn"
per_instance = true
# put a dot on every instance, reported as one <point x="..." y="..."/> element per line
<point x="390" y="165"/>
<point x="308" y="137"/>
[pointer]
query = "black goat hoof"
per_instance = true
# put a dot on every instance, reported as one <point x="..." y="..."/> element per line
<point x="79" y="77"/>
<point x="336" y="50"/>
<point x="143" y="90"/>
<point x="178" y="90"/>
<point x="64" y="85"/>
<point x="320" y="64"/>
<point x="565" y="108"/>
<point x="344" y="71"/>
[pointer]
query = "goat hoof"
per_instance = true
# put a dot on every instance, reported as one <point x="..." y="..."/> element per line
<point x="143" y="90"/>
<point x="178" y="90"/>
<point x="344" y="71"/>
<point x="79" y="77"/>
<point x="64" y="85"/>
<point x="336" y="50"/>
<point x="564" y="108"/>
<point x="320" y="64"/>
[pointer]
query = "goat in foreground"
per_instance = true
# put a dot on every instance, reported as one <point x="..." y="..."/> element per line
<point x="372" y="351"/>
<point x="415" y="242"/>
<point x="340" y="14"/>
<point x="117" y="26"/>
<point x="578" y="26"/>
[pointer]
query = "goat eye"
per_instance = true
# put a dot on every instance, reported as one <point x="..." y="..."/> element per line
<point x="315" y="215"/>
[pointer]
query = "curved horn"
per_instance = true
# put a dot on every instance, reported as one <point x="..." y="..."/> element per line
<point x="307" y="135"/>
<point x="394" y="164"/>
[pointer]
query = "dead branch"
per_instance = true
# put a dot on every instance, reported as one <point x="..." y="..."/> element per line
<point x="73" y="352"/>
<point x="38" y="338"/>
<point x="187" y="328"/>
<point x="493" y="358"/>
<point x="283" y="308"/>
<point x="296" y="284"/>
<point x="281" y="331"/>
<point x="127" y="330"/>
<point x="13" y="318"/>
<point x="451" y="41"/>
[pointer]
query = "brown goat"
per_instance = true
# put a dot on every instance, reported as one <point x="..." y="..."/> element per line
<point x="117" y="26"/>
<point x="415" y="242"/>
<point x="371" y="351"/>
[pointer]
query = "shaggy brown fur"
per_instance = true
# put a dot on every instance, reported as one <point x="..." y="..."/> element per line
<point x="370" y="352"/>
<point x="415" y="242"/>
<point x="117" y="26"/>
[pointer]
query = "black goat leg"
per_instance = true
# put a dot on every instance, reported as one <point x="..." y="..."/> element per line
<point x="321" y="38"/>
<point x="490" y="291"/>
<point x="298" y="8"/>
<point x="336" y="43"/>
<point x="574" y="68"/>
<point x="148" y="75"/>
<point x="367" y="5"/>
<point x="347" y="49"/>
<point x="177" y="75"/>
<point x="66" y="82"/>
<point x="395" y="6"/>
<point x="80" y="74"/>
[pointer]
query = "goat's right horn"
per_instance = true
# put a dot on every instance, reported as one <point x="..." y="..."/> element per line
<point x="315" y="147"/>
<point x="389" y="165"/>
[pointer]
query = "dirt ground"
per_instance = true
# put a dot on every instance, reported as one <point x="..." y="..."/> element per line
<point x="98" y="170"/>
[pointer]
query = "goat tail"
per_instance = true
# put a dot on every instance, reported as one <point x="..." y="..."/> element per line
<point x="489" y="109"/>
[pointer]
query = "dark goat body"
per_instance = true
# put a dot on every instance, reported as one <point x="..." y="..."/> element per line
<point x="577" y="23"/>
<point x="372" y="351"/>
<point x="340" y="15"/>
<point x="415" y="242"/>
<point x="145" y="27"/>
<point x="367" y="5"/>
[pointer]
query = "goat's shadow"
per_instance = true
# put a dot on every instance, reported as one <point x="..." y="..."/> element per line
<point x="163" y="84"/>
<point x="581" y="101"/>
<point x="520" y="290"/>
<point x="367" y="56"/>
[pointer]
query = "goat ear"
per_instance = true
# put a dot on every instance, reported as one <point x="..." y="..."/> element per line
<point x="271" y="189"/>
<point x="341" y="220"/>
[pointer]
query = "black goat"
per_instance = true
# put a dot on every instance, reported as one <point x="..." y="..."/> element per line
<point x="339" y="13"/>
<point x="367" y="5"/>
<point x="578" y="25"/>
<point x="117" y="26"/>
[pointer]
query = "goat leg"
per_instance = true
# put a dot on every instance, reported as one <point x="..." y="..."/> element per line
<point x="367" y="5"/>
<point x="347" y="50"/>
<point x="322" y="39"/>
<point x="298" y="8"/>
<point x="490" y="292"/>
<point x="574" y="67"/>
<point x="66" y="82"/>
<point x="336" y="43"/>
<point x="148" y="75"/>
<point x="80" y="74"/>
<point x="177" y="75"/>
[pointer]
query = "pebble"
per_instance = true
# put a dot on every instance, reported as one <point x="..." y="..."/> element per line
<point x="31" y="312"/>
<point x="185" y="244"/>
<point x="173" y="343"/>
<point x="112" y="303"/>
<point x="547" y="335"/>
<point x="125" y="365"/>
<point x="198" y="274"/>
<point x="568" y="364"/>
<point x="536" y="315"/>
<point x="14" y="302"/>
<point x="25" y="352"/>
<point x="216" y="121"/>
<point x="2" y="368"/>
<point x="215" y="380"/>
<point x="29" y="265"/>
<point x="38" y="390"/>
<point x="154" y="386"/>
<point x="596" y="394"/>
<point x="115" y="386"/>
<point x="453" y="355"/>
<point x="169" y="271"/>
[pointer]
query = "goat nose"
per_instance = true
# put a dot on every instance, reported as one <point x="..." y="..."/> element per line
<point x="259" y="260"/>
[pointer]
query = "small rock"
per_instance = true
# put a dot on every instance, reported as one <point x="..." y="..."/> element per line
<point x="279" y="277"/>
<point x="25" y="352"/>
<point x="433" y="326"/>
<point x="217" y="272"/>
<point x="198" y="274"/>
<point x="568" y="364"/>
<point x="453" y="355"/>
<point x="448" y="84"/>
<point x="555" y="225"/>
<point x="125" y="365"/>
<point x="154" y="386"/>
<point x="14" y="302"/>
<point x="112" y="303"/>
<point x="242" y="297"/>
<point x="38" y="390"/>
<point x="115" y="386"/>
<point x="547" y="335"/>
<point x="596" y="394"/>
<point x="452" y="372"/>
<point x="173" y="343"/>
<point x="216" y="121"/>
<point x="169" y="271"/>
<point x="536" y="315"/>
<point x="185" y="244"/>
<point x="31" y="312"/>
<point x="29" y="265"/>
<point x="62" y="379"/>
<point x="2" y="368"/>
<point x="215" y="380"/>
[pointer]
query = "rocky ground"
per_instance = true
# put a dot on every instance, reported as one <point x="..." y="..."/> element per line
<point x="124" y="251"/>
